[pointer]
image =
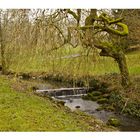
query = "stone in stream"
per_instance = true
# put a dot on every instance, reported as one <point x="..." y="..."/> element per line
<point x="70" y="100"/>
<point x="77" y="106"/>
<point x="34" y="88"/>
<point x="102" y="101"/>
<point x="113" y="121"/>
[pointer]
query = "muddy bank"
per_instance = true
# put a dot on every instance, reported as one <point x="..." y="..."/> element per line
<point x="86" y="80"/>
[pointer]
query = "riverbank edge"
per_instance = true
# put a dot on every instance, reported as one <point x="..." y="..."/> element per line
<point x="93" y="123"/>
<point x="107" y="83"/>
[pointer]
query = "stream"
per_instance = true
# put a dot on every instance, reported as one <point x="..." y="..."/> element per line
<point x="128" y="123"/>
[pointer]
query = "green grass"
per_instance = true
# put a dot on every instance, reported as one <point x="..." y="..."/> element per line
<point x="133" y="60"/>
<point x="38" y="60"/>
<point x="27" y="112"/>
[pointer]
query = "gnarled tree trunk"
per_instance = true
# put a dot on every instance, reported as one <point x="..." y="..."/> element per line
<point x="115" y="29"/>
<point x="121" y="60"/>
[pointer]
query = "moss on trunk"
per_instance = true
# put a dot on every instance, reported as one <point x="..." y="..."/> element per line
<point x="121" y="60"/>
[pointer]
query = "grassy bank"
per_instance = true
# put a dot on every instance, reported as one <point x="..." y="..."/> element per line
<point x="26" y="112"/>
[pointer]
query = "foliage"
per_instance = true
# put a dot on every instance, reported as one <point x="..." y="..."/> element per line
<point x="132" y="107"/>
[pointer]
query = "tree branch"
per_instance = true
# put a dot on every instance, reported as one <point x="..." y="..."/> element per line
<point x="109" y="21"/>
<point x="124" y="31"/>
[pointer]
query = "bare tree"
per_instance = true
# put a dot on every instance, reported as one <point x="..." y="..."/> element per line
<point x="3" y="22"/>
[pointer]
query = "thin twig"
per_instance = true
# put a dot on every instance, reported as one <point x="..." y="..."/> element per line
<point x="125" y="105"/>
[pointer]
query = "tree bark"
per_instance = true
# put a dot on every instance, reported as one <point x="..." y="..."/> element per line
<point x="121" y="60"/>
<point x="119" y="55"/>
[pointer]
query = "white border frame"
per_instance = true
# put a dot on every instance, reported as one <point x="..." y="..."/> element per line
<point x="70" y="136"/>
<point x="101" y="4"/>
<point x="69" y="4"/>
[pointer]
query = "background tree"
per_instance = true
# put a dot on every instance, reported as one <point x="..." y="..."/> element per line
<point x="3" y="29"/>
<point x="132" y="19"/>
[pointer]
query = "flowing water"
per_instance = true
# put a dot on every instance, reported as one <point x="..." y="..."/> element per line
<point x="76" y="102"/>
<point x="127" y="123"/>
